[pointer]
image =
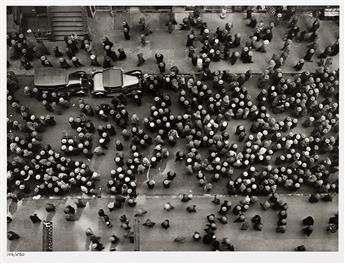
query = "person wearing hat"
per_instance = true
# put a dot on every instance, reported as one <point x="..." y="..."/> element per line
<point x="50" y="207"/>
<point x="57" y="52"/>
<point x="112" y="54"/>
<point x="244" y="53"/>
<point x="42" y="49"/>
<point x="299" y="65"/>
<point x="13" y="53"/>
<point x="76" y="62"/>
<point x="248" y="57"/>
<point x="11" y="235"/>
<point x="335" y="48"/>
<point x="216" y="56"/>
<point x="94" y="61"/>
<point x="125" y="27"/>
<point x="107" y="50"/>
<point x="315" y="26"/>
<point x="28" y="53"/>
<point x="199" y="63"/>
<point x="122" y="54"/>
<point x="149" y="223"/>
<point x="141" y="59"/>
<point x="143" y="39"/>
<point x="47" y="63"/>
<point x="327" y="52"/>
<point x="159" y="57"/>
<point x="185" y="25"/>
<point x="43" y="58"/>
<point x="126" y="33"/>
<point x="278" y="63"/>
<point x="170" y="26"/>
<point x="89" y="48"/>
<point x="107" y="42"/>
<point x="165" y="224"/>
<point x="286" y="44"/>
<point x="63" y="63"/>
<point x="150" y="184"/>
<point x="262" y="47"/>
<point x="190" y="39"/>
<point x="35" y="219"/>
<point x="69" y="53"/>
<point x="161" y="67"/>
<point x="267" y="35"/>
<point x="191" y="51"/>
<point x="72" y="44"/>
<point x="249" y="13"/>
<point x="194" y="59"/>
<point x="107" y="62"/>
<point x="308" y="56"/>
<point x="300" y="248"/>
<point x="252" y="22"/>
<point x="205" y="34"/>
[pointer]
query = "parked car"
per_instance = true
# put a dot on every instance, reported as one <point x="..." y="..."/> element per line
<point x="59" y="80"/>
<point x="114" y="80"/>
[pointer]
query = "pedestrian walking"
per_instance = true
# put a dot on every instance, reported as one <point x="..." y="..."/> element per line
<point x="126" y="33"/>
<point x="308" y="56"/>
<point x="122" y="54"/>
<point x="76" y="62"/>
<point x="141" y="59"/>
<point x="94" y="61"/>
<point x="143" y="39"/>
<point x="161" y="67"/>
<point x="299" y="65"/>
<point x="63" y="63"/>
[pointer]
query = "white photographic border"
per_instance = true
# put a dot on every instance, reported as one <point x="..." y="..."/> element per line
<point x="165" y="256"/>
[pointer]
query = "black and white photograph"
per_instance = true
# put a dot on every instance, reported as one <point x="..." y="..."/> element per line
<point x="172" y="128"/>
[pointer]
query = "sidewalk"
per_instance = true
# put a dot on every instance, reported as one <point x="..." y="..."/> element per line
<point x="173" y="45"/>
<point x="70" y="236"/>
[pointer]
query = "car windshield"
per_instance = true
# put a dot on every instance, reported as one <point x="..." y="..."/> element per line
<point x="98" y="82"/>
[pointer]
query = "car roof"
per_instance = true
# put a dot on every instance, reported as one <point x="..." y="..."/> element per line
<point x="45" y="76"/>
<point x="112" y="78"/>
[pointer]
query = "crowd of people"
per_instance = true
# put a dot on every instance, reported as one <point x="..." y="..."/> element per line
<point x="272" y="154"/>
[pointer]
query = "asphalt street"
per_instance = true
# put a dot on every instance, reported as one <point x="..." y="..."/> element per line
<point x="183" y="182"/>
